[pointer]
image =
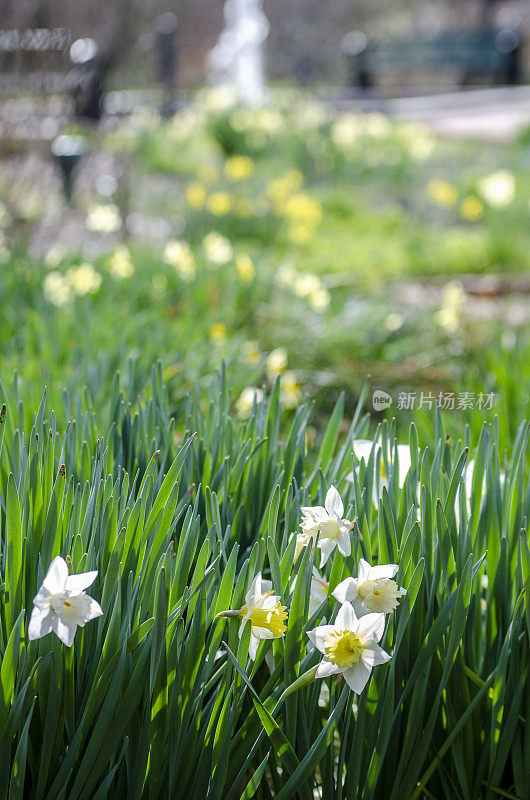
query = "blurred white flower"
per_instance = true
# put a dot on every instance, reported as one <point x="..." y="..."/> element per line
<point x="120" y="264"/>
<point x="286" y="275"/>
<point x="57" y="289"/>
<point x="246" y="400"/>
<point x="178" y="254"/>
<point x="362" y="449"/>
<point x="306" y="283"/>
<point x="103" y="218"/>
<point x="61" y="605"/>
<point x="350" y="647"/>
<point x="334" y="531"/>
<point x="217" y="249"/>
<point x="276" y="362"/>
<point x="497" y="189"/>
<point x="55" y="255"/>
<point x="373" y="590"/>
<point x="320" y="299"/>
<point x="83" y="279"/>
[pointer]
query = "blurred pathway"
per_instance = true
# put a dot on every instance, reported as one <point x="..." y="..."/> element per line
<point x="489" y="114"/>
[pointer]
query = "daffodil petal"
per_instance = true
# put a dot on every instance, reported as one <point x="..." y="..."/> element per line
<point x="318" y="635"/>
<point x="383" y="571"/>
<point x="94" y="610"/>
<point x="363" y="571"/>
<point x="262" y="633"/>
<point x="40" y="623"/>
<point x="374" y="655"/>
<point x="56" y="576"/>
<point x="346" y="590"/>
<point x="346" y="619"/>
<point x="362" y="448"/>
<point x="333" y="504"/>
<point x="77" y="583"/>
<point x="66" y="633"/>
<point x="326" y="668"/>
<point x="344" y="543"/>
<point x="317" y="512"/>
<point x="357" y="676"/>
<point x="371" y="626"/>
<point x="326" y="547"/>
<point x="253" y="647"/>
<point x="255" y="589"/>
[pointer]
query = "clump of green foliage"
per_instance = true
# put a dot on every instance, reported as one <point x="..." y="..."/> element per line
<point x="158" y="698"/>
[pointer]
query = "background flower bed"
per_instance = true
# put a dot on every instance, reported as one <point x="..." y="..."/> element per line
<point x="159" y="698"/>
<point x="353" y="243"/>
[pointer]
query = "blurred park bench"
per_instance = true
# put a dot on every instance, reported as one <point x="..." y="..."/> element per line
<point x="463" y="57"/>
<point x="33" y="60"/>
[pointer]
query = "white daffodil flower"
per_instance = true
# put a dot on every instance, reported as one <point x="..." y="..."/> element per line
<point x="318" y="592"/>
<point x="334" y="531"/>
<point x="61" y="605"/>
<point x="362" y="449"/>
<point x="372" y="591"/>
<point x="350" y="646"/>
<point x="266" y="614"/>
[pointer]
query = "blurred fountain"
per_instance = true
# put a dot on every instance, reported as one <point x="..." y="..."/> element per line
<point x="237" y="58"/>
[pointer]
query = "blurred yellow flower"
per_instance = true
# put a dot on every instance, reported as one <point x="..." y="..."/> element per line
<point x="301" y="234"/>
<point x="498" y="189"/>
<point x="252" y="352"/>
<point x="245" y="267"/>
<point x="276" y="362"/>
<point x="178" y="254"/>
<point x="84" y="279"/>
<point x="453" y="300"/>
<point x="217" y="249"/>
<point x="471" y="208"/>
<point x="442" y="193"/>
<point x="219" y="203"/>
<point x="246" y="399"/>
<point x="303" y="208"/>
<point x="120" y="264"/>
<point x="291" y="393"/>
<point x="218" y="332"/>
<point x="195" y="194"/>
<point x="237" y="168"/>
<point x="279" y="188"/>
